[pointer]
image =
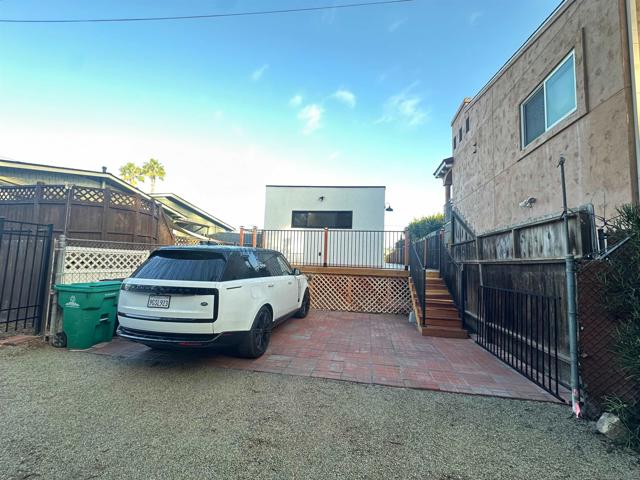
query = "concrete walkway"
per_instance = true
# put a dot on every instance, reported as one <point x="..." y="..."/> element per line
<point x="366" y="348"/>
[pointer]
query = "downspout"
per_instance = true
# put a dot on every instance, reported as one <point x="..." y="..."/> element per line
<point x="632" y="34"/>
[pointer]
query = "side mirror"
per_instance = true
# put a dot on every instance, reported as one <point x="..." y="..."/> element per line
<point x="296" y="272"/>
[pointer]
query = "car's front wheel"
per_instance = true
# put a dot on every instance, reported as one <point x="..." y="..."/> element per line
<point x="256" y="340"/>
<point x="303" y="311"/>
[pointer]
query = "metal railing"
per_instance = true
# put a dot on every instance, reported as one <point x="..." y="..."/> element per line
<point x="340" y="248"/>
<point x="419" y="278"/>
<point x="521" y="329"/>
<point x="453" y="274"/>
<point x="25" y="253"/>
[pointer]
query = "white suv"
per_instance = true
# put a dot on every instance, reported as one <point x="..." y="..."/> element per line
<point x="204" y="296"/>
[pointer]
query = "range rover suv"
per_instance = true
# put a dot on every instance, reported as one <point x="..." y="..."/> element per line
<point x="205" y="296"/>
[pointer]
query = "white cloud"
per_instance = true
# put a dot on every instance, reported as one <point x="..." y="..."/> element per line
<point x="259" y="72"/>
<point x="345" y="96"/>
<point x="405" y="107"/>
<point x="311" y="115"/>
<point x="396" y="25"/>
<point x="474" y="17"/>
<point x="296" y="100"/>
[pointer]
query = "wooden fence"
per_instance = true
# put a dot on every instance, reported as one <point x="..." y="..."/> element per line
<point x="89" y="213"/>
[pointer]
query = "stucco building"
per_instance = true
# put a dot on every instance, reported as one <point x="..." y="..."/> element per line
<point x="568" y="91"/>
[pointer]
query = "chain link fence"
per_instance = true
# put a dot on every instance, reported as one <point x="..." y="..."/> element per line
<point x="602" y="375"/>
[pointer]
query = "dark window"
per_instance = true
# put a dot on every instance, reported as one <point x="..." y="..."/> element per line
<point x="272" y="264"/>
<point x="242" y="267"/>
<point x="460" y="134"/>
<point x="533" y="117"/>
<point x="321" y="219"/>
<point x="285" y="265"/>
<point x="466" y="124"/>
<point x="182" y="265"/>
<point x="454" y="142"/>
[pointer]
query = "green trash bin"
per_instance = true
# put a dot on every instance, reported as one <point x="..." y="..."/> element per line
<point x="88" y="312"/>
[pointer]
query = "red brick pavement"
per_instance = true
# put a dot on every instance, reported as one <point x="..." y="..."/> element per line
<point x="368" y="348"/>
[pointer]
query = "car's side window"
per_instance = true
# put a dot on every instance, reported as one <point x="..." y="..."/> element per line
<point x="272" y="264"/>
<point x="286" y="268"/>
<point x="239" y="267"/>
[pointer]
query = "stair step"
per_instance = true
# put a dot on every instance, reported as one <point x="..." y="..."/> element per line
<point x="443" y="322"/>
<point x="445" y="314"/>
<point x="444" y="332"/>
<point x="441" y="303"/>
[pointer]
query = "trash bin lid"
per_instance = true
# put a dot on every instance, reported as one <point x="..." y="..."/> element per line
<point x="89" y="287"/>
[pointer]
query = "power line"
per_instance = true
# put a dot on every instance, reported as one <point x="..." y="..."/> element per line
<point x="213" y="15"/>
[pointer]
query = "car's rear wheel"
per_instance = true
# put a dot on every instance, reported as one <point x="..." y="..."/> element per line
<point x="256" y="340"/>
<point x="303" y="311"/>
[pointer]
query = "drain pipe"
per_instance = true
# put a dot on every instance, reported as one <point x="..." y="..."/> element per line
<point x="570" y="268"/>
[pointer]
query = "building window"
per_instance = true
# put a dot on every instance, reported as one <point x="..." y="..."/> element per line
<point x="466" y="124"/>
<point x="321" y="219"/>
<point x="454" y="142"/>
<point x="460" y="134"/>
<point x="553" y="101"/>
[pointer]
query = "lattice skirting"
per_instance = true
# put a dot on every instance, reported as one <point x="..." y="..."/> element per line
<point x="83" y="264"/>
<point x="360" y="293"/>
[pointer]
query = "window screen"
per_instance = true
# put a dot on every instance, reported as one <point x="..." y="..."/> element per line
<point x="321" y="219"/>
<point x="533" y="117"/>
<point x="182" y="265"/>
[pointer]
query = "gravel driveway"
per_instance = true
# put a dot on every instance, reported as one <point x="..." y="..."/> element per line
<point x="73" y="415"/>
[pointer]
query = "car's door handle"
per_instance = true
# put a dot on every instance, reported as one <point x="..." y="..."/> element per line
<point x="289" y="283"/>
<point x="270" y="285"/>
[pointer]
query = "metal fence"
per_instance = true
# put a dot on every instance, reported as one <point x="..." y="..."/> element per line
<point x="25" y="254"/>
<point x="429" y="248"/>
<point x="340" y="248"/>
<point x="419" y="278"/>
<point x="521" y="329"/>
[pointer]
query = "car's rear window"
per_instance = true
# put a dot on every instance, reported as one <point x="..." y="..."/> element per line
<point x="182" y="265"/>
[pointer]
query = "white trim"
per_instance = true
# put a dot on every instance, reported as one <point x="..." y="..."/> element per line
<point x="543" y="86"/>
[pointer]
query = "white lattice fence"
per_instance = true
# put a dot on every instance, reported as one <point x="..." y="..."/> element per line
<point x="360" y="293"/>
<point x="84" y="264"/>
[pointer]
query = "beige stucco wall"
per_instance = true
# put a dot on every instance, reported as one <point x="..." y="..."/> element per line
<point x="492" y="173"/>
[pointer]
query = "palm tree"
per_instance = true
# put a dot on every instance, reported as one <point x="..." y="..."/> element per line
<point x="131" y="173"/>
<point x="153" y="170"/>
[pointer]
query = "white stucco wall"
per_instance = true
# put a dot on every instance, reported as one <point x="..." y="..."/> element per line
<point x="367" y="204"/>
<point x="345" y="248"/>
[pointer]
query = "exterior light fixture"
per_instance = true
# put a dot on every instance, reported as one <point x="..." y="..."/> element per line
<point x="321" y="198"/>
<point x="528" y="203"/>
<point x="388" y="208"/>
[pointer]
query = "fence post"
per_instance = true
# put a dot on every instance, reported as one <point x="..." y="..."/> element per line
<point x="44" y="287"/>
<point x="424" y="296"/>
<point x="425" y="253"/>
<point x="60" y="253"/>
<point x="326" y="247"/>
<point x="406" y="249"/>
<point x="254" y="237"/>
<point x="241" y="237"/>
<point x="463" y="294"/>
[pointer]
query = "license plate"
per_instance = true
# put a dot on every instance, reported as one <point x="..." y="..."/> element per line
<point x="159" y="301"/>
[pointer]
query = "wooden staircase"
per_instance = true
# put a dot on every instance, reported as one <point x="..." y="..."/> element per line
<point x="442" y="318"/>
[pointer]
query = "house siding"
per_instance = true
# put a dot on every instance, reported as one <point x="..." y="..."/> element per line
<point x="492" y="173"/>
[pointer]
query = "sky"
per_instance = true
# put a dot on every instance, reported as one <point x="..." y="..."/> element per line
<point x="361" y="96"/>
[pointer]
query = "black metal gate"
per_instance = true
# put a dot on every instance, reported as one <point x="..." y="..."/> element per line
<point x="521" y="329"/>
<point x="25" y="254"/>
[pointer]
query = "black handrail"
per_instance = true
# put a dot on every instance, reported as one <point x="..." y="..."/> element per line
<point x="419" y="277"/>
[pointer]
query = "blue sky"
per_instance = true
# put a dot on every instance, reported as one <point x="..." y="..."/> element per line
<point x="360" y="96"/>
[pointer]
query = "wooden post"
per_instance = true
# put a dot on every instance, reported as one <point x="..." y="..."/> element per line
<point x="424" y="259"/>
<point x="406" y="249"/>
<point x="326" y="247"/>
<point x="106" y="201"/>
<point x="241" y="236"/>
<point x="254" y="237"/>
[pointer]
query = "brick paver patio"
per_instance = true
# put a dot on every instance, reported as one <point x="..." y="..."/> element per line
<point x="366" y="348"/>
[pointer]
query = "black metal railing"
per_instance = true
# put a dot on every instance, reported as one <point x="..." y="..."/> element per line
<point x="340" y="248"/>
<point x="453" y="274"/>
<point x="521" y="329"/>
<point x="419" y="278"/>
<point x="25" y="253"/>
